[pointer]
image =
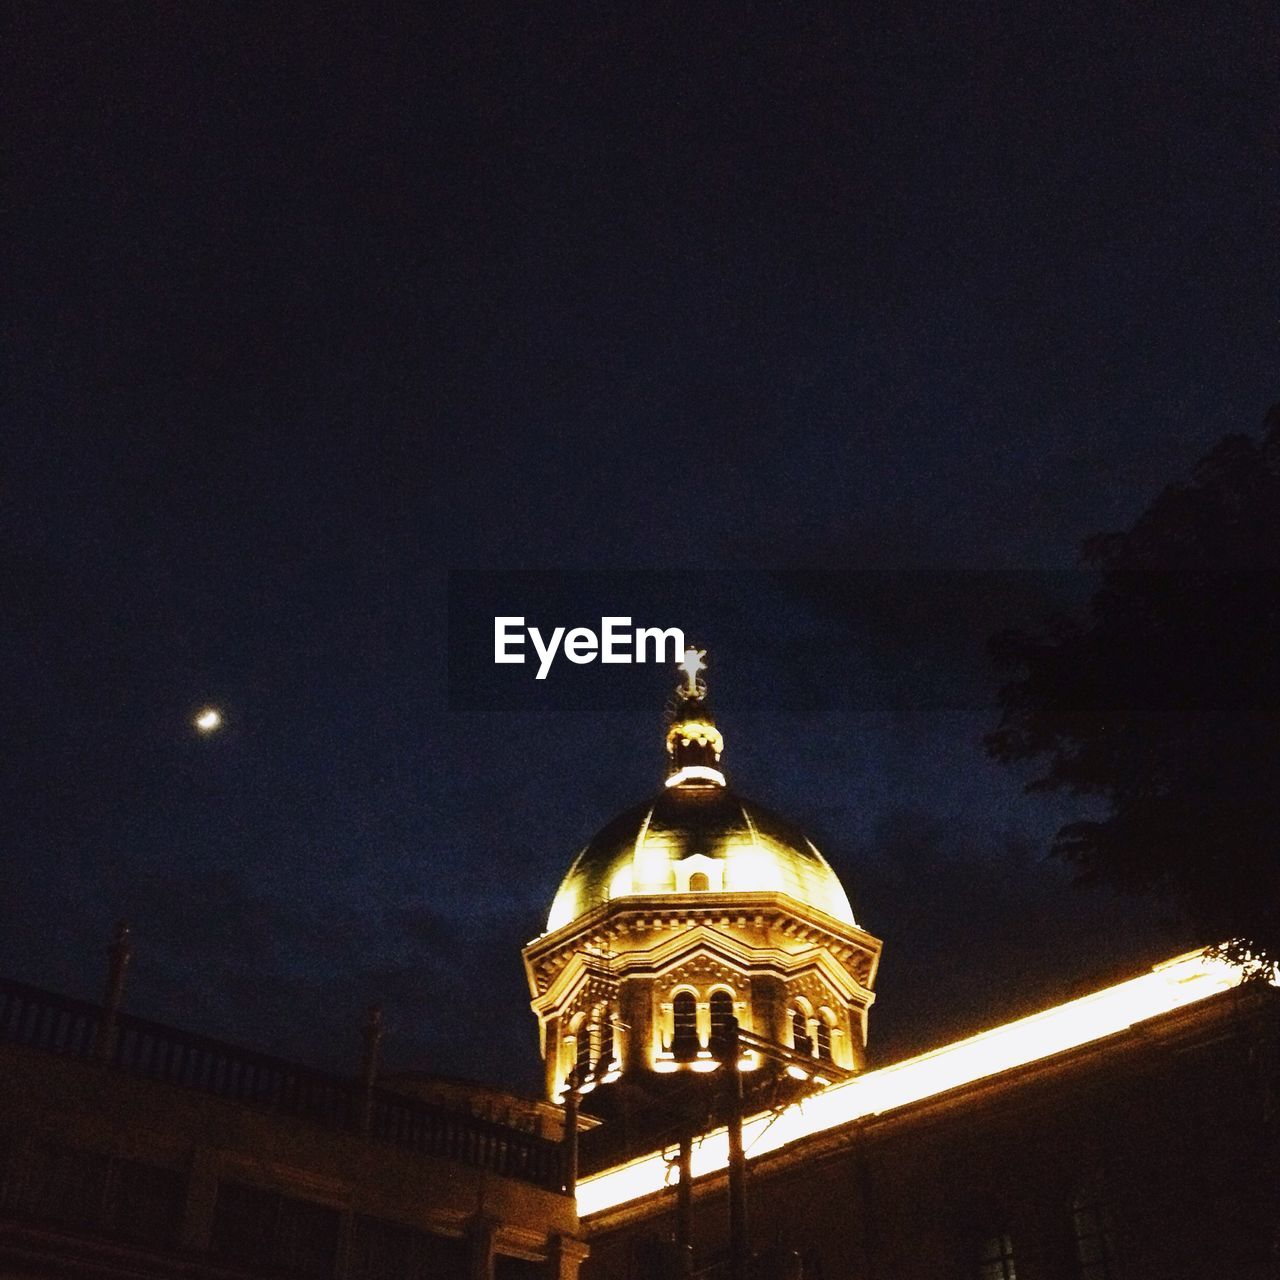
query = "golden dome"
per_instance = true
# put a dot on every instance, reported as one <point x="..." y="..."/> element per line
<point x="698" y="838"/>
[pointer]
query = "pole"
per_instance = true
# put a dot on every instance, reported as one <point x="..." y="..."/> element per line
<point x="727" y="1049"/>
<point x="738" y="1248"/>
<point x="119" y="953"/>
<point x="684" y="1205"/>
<point x="570" y="1140"/>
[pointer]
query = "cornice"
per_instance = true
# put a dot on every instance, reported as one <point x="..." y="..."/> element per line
<point x="671" y="911"/>
<point x="677" y="948"/>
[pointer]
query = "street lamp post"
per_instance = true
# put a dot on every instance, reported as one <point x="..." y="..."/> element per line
<point x="726" y="1047"/>
<point x="570" y="1137"/>
<point x="684" y="1204"/>
<point x="728" y="1044"/>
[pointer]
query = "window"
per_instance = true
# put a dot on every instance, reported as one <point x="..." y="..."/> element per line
<point x="607" y="1050"/>
<point x="119" y="1197"/>
<point x="144" y="1203"/>
<point x="824" y="1040"/>
<point x="388" y="1251"/>
<point x="684" y="1039"/>
<point x="995" y="1260"/>
<point x="698" y="882"/>
<point x="62" y="1184"/>
<point x="800" y="1032"/>
<point x="582" y="1049"/>
<point x="721" y="1014"/>
<point x="260" y="1229"/>
<point x="1094" y="1233"/>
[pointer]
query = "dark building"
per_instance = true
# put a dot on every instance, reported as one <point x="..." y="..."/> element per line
<point x="1146" y="1153"/>
<point x="146" y="1151"/>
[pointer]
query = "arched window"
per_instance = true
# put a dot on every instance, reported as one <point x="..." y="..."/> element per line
<point x="1095" y="1237"/>
<point x="583" y="1049"/>
<point x="606" y="1037"/>
<point x="684" y="1039"/>
<point x="824" y="1039"/>
<point x="721" y="1011"/>
<point x="995" y="1258"/>
<point x="800" y="1032"/>
<point x="698" y="882"/>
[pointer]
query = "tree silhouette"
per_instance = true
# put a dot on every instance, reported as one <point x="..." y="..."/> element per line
<point x="1162" y="705"/>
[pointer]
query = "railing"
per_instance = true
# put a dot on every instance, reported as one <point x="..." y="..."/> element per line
<point x="434" y="1131"/>
<point x="44" y="1020"/>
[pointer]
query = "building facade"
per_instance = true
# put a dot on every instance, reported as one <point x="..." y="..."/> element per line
<point x="1147" y="1152"/>
<point x="153" y="1152"/>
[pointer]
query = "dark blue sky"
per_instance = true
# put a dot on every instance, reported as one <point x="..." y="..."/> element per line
<point x="308" y="308"/>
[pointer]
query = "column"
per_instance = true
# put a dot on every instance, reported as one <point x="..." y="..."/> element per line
<point x="565" y="1257"/>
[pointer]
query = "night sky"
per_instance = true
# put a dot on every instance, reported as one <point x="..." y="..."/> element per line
<point x="860" y="317"/>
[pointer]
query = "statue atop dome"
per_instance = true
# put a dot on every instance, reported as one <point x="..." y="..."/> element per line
<point x="694" y="744"/>
<point x="691" y="663"/>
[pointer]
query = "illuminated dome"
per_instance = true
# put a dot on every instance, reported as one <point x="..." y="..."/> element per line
<point x="698" y="836"/>
<point x="691" y="909"/>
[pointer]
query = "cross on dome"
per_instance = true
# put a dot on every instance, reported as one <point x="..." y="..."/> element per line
<point x="691" y="664"/>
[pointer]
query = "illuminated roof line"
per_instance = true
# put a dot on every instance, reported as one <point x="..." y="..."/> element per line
<point x="694" y="773"/>
<point x="1172" y="985"/>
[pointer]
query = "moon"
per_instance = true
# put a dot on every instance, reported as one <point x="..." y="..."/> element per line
<point x="208" y="720"/>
